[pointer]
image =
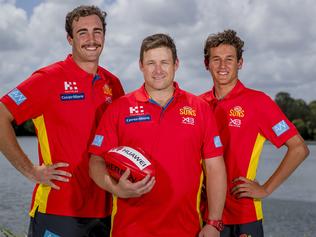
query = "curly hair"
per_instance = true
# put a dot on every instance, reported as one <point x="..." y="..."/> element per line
<point x="83" y="11"/>
<point x="226" y="37"/>
<point x="157" y="41"/>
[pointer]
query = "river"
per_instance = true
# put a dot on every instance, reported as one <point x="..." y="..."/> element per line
<point x="289" y="211"/>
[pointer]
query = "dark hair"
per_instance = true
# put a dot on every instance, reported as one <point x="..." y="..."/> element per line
<point x="226" y="37"/>
<point x="83" y="11"/>
<point x="157" y="41"/>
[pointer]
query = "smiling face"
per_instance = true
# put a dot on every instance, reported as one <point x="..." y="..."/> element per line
<point x="223" y="65"/>
<point x="159" y="69"/>
<point x="88" y="39"/>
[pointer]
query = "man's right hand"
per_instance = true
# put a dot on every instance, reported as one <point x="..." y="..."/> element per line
<point x="127" y="189"/>
<point x="46" y="174"/>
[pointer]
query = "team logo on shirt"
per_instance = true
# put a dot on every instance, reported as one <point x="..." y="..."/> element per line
<point x="280" y="128"/>
<point x="187" y="111"/>
<point x="17" y="96"/>
<point x="188" y="115"/>
<point x="236" y="114"/>
<point x="237" y="111"/>
<point x="107" y="91"/>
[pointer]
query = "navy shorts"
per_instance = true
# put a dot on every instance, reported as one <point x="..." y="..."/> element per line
<point x="253" y="229"/>
<point x="46" y="225"/>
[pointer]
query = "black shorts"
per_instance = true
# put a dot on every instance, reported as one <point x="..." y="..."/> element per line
<point x="46" y="225"/>
<point x="253" y="229"/>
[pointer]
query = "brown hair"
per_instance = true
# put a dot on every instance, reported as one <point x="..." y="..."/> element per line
<point x="157" y="41"/>
<point x="226" y="37"/>
<point x="83" y="11"/>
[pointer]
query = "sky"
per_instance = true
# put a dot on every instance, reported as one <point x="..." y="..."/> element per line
<point x="279" y="35"/>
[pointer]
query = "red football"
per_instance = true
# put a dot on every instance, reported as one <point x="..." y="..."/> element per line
<point x="120" y="158"/>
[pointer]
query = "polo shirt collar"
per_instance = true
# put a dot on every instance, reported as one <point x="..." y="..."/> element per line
<point x="210" y="96"/>
<point x="141" y="94"/>
<point x="78" y="71"/>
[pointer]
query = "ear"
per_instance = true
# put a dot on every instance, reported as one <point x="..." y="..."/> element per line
<point x="140" y="65"/>
<point x="69" y="39"/>
<point x="206" y="63"/>
<point x="176" y="64"/>
<point x="240" y="63"/>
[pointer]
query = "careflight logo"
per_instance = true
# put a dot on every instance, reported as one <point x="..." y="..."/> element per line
<point x="71" y="92"/>
<point x="70" y="86"/>
<point x="136" y="110"/>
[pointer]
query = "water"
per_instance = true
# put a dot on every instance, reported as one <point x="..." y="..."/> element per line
<point x="289" y="211"/>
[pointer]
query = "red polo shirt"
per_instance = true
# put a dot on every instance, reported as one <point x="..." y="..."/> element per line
<point x="176" y="138"/>
<point x="246" y="118"/>
<point x="65" y="104"/>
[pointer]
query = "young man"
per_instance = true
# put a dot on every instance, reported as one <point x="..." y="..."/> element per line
<point x="177" y="131"/>
<point x="65" y="101"/>
<point x="246" y="118"/>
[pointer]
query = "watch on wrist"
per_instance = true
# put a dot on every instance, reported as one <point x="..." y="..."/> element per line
<point x="218" y="224"/>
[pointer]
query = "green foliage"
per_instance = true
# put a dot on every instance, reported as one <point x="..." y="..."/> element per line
<point x="301" y="114"/>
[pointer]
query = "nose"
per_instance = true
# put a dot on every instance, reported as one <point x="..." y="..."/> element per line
<point x="158" y="68"/>
<point x="222" y="63"/>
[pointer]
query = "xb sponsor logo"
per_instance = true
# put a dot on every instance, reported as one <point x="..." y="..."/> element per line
<point x="136" y="110"/>
<point x="234" y="122"/>
<point x="188" y="120"/>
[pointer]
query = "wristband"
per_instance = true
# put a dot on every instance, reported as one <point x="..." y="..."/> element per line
<point x="218" y="224"/>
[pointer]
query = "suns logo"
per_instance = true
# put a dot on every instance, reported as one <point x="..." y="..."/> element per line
<point x="187" y="111"/>
<point x="107" y="90"/>
<point x="237" y="111"/>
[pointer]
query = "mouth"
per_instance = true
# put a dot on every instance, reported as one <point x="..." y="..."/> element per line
<point x="91" y="47"/>
<point x="223" y="73"/>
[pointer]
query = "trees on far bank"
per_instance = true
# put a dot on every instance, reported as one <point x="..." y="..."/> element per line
<point x="302" y="115"/>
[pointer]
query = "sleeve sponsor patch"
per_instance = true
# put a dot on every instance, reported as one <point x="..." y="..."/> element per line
<point x="97" y="141"/>
<point x="217" y="142"/>
<point x="280" y="128"/>
<point x="17" y="96"/>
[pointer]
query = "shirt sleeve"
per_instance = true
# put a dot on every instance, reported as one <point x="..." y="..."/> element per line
<point x="29" y="98"/>
<point x="273" y="123"/>
<point x="212" y="145"/>
<point x="105" y="137"/>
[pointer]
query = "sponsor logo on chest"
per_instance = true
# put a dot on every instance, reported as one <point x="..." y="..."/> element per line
<point x="71" y="92"/>
<point x="236" y="114"/>
<point x="137" y="114"/>
<point x="188" y="115"/>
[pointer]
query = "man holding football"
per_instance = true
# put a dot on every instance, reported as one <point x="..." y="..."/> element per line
<point x="246" y="118"/>
<point x="177" y="132"/>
